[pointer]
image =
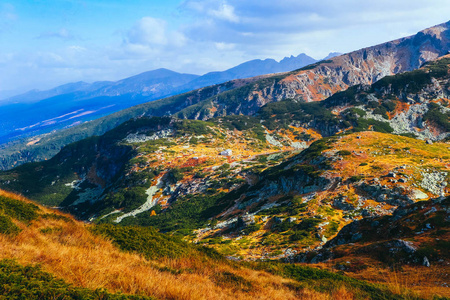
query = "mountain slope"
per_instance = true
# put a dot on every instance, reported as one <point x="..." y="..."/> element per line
<point x="178" y="176"/>
<point x="412" y="103"/>
<point x="264" y="217"/>
<point x="170" y="174"/>
<point x="414" y="239"/>
<point x="95" y="261"/>
<point x="323" y="79"/>
<point x="40" y="147"/>
<point x="242" y="185"/>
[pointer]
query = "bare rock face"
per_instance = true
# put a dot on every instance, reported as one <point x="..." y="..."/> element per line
<point x="368" y="65"/>
<point x="321" y="80"/>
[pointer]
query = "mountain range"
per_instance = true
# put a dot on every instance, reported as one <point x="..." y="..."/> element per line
<point x="74" y="103"/>
<point x="245" y="96"/>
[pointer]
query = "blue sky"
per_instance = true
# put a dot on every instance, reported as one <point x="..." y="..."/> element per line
<point x="48" y="43"/>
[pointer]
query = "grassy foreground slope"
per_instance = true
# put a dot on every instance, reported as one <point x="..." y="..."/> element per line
<point x="149" y="264"/>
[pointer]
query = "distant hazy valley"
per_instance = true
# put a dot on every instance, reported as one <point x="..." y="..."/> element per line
<point x="75" y="103"/>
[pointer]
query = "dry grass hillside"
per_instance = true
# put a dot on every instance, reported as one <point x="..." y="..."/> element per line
<point x="69" y="250"/>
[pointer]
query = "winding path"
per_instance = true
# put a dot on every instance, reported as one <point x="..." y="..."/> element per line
<point x="147" y="205"/>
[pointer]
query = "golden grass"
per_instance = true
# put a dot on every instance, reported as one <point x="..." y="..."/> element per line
<point x="425" y="282"/>
<point x="417" y="281"/>
<point x="74" y="254"/>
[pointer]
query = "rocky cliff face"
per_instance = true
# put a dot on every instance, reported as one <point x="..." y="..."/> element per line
<point x="368" y="65"/>
<point x="413" y="103"/>
<point x="323" y="79"/>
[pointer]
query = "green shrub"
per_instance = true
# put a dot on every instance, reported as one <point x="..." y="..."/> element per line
<point x="189" y="212"/>
<point x="285" y="226"/>
<point x="326" y="281"/>
<point x="144" y="240"/>
<point x="50" y="230"/>
<point x="192" y="127"/>
<point x="57" y="217"/>
<point x="389" y="105"/>
<point x="308" y="224"/>
<point x="332" y="229"/>
<point x="357" y="111"/>
<point x="434" y="115"/>
<point x="344" y="152"/>
<point x="30" y="282"/>
<point x="230" y="280"/>
<point x="176" y="174"/>
<point x="252" y="228"/>
<point x="150" y="243"/>
<point x="19" y="210"/>
<point x="7" y="226"/>
<point x="299" y="235"/>
<point x="364" y="124"/>
<point x="130" y="198"/>
<point x="355" y="178"/>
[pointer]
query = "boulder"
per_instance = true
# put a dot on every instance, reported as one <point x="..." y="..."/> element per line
<point x="418" y="195"/>
<point x="426" y="262"/>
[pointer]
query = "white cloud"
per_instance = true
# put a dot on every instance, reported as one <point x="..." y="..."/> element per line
<point x="274" y="28"/>
<point x="148" y="38"/>
<point x="224" y="46"/>
<point x="218" y="10"/>
<point x="63" y="33"/>
<point x="148" y="31"/>
<point x="224" y="12"/>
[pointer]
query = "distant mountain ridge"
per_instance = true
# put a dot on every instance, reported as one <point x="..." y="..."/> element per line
<point x="325" y="78"/>
<point x="72" y="103"/>
<point x="253" y="68"/>
<point x="78" y="102"/>
<point x="315" y="82"/>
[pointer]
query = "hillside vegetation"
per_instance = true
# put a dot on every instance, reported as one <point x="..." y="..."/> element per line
<point x="75" y="263"/>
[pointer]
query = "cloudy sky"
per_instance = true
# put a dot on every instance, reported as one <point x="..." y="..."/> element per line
<point x="44" y="43"/>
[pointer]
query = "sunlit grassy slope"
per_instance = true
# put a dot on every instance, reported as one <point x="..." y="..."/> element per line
<point x="149" y="264"/>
